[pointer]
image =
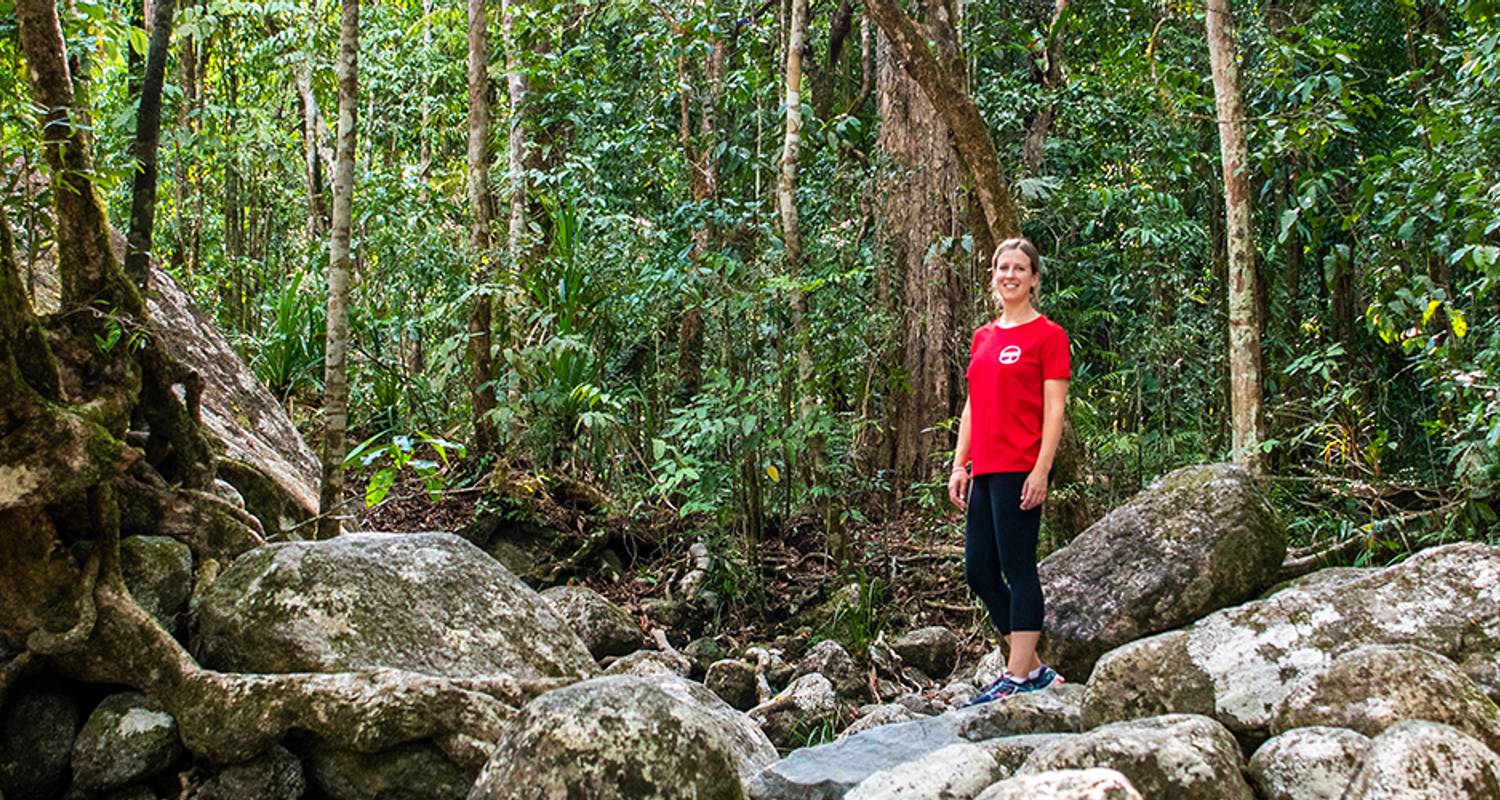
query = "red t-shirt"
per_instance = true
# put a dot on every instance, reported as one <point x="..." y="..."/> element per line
<point x="1007" y="367"/>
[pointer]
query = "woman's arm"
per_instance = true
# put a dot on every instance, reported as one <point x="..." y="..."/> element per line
<point x="1054" y="398"/>
<point x="958" y="477"/>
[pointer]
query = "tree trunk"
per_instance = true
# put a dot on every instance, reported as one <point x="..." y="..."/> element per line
<point x="703" y="164"/>
<point x="941" y="80"/>
<point x="1048" y="75"/>
<point x="335" y="367"/>
<point x="147" y="134"/>
<point x="516" y="152"/>
<point x="920" y="203"/>
<point x="1244" y="322"/>
<point x="312" y="161"/>
<point x="481" y="366"/>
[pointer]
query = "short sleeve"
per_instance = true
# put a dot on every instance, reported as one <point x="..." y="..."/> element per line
<point x="1057" y="363"/>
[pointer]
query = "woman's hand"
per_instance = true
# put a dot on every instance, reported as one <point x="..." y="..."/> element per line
<point x="958" y="487"/>
<point x="1034" y="490"/>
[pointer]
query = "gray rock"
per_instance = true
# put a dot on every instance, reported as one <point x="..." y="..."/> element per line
<point x="613" y="737"/>
<point x="991" y="666"/>
<point x="1426" y="761"/>
<point x="429" y="603"/>
<point x="734" y="681"/>
<point x="830" y="770"/>
<point x="128" y="737"/>
<point x="1308" y="763"/>
<point x="136" y="791"/>
<point x="651" y="662"/>
<point x="605" y="628"/>
<point x="876" y="716"/>
<point x="274" y="775"/>
<point x="1011" y="752"/>
<point x="703" y="650"/>
<point x="238" y="412"/>
<point x="1371" y="688"/>
<point x="922" y="704"/>
<point x="412" y="771"/>
<point x="829" y="659"/>
<point x="1178" y="756"/>
<point x="751" y="749"/>
<point x="1198" y="540"/>
<point x="933" y="650"/>
<point x="1238" y="664"/>
<point x="158" y="571"/>
<point x="805" y="706"/>
<point x="1066" y="784"/>
<point x="37" y="728"/>
<point x="955" y="772"/>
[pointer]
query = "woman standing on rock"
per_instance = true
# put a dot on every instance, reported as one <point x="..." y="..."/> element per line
<point x="1018" y="383"/>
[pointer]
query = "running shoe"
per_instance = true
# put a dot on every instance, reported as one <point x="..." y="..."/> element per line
<point x="1048" y="677"/>
<point x="1006" y="686"/>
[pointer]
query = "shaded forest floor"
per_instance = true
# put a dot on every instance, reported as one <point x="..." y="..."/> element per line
<point x="904" y="573"/>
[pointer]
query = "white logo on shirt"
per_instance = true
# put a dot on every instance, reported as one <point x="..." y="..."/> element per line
<point x="1010" y="355"/>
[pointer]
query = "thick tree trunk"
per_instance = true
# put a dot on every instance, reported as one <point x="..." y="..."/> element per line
<point x="703" y="164"/>
<point x="147" y="134"/>
<point x="941" y="78"/>
<point x="1244" y="322"/>
<point x="481" y="366"/>
<point x="313" y="131"/>
<point x="335" y="366"/>
<point x="920" y="202"/>
<point x="1049" y="76"/>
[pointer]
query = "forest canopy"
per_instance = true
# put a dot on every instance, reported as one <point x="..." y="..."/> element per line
<point x="586" y="239"/>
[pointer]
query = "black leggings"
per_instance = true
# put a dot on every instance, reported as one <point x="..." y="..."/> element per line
<point x="1000" y="552"/>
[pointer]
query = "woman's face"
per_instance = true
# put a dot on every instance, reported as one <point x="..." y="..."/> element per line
<point x="1013" y="279"/>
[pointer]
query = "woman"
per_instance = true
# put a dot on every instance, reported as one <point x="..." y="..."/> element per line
<point x="1018" y="383"/>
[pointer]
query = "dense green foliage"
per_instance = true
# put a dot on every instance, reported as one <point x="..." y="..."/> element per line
<point x="1376" y="139"/>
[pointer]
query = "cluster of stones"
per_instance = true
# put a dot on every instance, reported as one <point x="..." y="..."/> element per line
<point x="1194" y="677"/>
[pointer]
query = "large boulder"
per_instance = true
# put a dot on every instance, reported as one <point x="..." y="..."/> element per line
<point x="429" y="603"/>
<point x="275" y="470"/>
<point x="1065" y="784"/>
<point x="1177" y="756"/>
<point x="1426" y="761"/>
<point x="127" y="737"/>
<point x="37" y="727"/>
<point x="1198" y="540"/>
<point x="1371" y="688"/>
<point x="830" y="770"/>
<point x="1308" y="763"/>
<point x="1238" y="664"/>
<point x="751" y="749"/>
<point x="604" y="627"/>
<point x="611" y="737"/>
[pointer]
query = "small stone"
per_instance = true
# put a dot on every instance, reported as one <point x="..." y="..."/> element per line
<point x="158" y="571"/>
<point x="1308" y="763"/>
<point x="790" y="717"/>
<point x="604" y="627"/>
<point x="37" y="727"/>
<point x="933" y="650"/>
<point x="274" y="775"/>
<point x="734" y="681"/>
<point x="829" y="659"/>
<point x="128" y="737"/>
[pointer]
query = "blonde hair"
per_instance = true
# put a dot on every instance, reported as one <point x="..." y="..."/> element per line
<point x="1032" y="254"/>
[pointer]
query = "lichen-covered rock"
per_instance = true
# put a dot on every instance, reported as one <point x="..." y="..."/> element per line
<point x="158" y="571"/>
<point x="127" y="737"/>
<point x="955" y="772"/>
<point x="37" y="727"/>
<point x="1308" y="763"/>
<point x="412" y="771"/>
<point x="830" y="770"/>
<point x="829" y="659"/>
<point x="1198" y="540"/>
<point x="751" y="749"/>
<point x="1238" y="664"/>
<point x="274" y="775"/>
<point x="605" y="628"/>
<point x="238" y="412"/>
<point x="991" y="666"/>
<point x="1052" y="710"/>
<point x="1426" y="761"/>
<point x="429" y="603"/>
<point x="1065" y="784"/>
<point x="1371" y="688"/>
<point x="651" y="662"/>
<point x="734" y="681"/>
<point x="933" y="650"/>
<point x="1178" y="756"/>
<point x="612" y="737"/>
<point x="807" y="704"/>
